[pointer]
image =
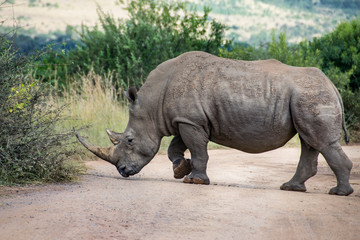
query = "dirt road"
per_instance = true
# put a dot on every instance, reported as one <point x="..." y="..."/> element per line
<point x="243" y="201"/>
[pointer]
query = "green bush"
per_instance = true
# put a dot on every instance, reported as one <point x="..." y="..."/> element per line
<point x="30" y="147"/>
<point x="155" y="31"/>
<point x="301" y="55"/>
<point x="244" y="51"/>
<point x="54" y="67"/>
<point x="341" y="49"/>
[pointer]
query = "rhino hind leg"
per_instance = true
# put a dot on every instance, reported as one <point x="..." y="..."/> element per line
<point x="306" y="168"/>
<point x="319" y="126"/>
<point x="196" y="141"/>
<point x="181" y="166"/>
<point x="341" y="165"/>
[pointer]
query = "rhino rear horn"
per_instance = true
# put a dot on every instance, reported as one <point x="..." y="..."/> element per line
<point x="113" y="136"/>
<point x="103" y="153"/>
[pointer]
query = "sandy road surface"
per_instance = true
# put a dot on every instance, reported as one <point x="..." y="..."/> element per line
<point x="242" y="202"/>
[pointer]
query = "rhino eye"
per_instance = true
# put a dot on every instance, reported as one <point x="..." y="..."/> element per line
<point x="130" y="141"/>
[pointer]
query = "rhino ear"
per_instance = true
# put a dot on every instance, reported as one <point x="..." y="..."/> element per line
<point x="131" y="94"/>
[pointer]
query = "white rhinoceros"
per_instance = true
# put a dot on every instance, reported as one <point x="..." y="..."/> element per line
<point x="252" y="106"/>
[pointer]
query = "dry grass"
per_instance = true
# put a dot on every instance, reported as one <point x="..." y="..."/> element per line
<point x="93" y="102"/>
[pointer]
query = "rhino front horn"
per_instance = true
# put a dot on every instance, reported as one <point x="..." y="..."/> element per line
<point x="103" y="153"/>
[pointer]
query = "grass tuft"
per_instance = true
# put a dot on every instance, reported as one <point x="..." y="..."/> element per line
<point x="93" y="102"/>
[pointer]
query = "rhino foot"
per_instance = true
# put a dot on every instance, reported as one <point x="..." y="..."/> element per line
<point x="342" y="191"/>
<point x="182" y="169"/>
<point x="193" y="178"/>
<point x="289" y="186"/>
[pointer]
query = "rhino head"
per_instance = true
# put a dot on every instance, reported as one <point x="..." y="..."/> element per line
<point x="135" y="147"/>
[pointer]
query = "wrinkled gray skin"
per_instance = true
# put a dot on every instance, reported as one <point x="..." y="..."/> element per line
<point x="251" y="106"/>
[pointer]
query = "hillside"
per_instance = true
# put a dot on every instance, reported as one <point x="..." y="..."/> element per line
<point x="253" y="20"/>
<point x="248" y="20"/>
<point x="44" y="16"/>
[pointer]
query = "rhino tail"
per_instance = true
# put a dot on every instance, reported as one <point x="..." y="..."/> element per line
<point x="346" y="136"/>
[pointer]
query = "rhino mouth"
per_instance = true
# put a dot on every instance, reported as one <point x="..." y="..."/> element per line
<point x="126" y="172"/>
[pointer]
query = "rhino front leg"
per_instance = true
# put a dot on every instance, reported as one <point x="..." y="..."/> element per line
<point x="181" y="166"/>
<point x="196" y="141"/>
<point x="307" y="168"/>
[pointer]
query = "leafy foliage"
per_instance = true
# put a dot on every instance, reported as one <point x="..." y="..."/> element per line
<point x="30" y="147"/>
<point x="341" y="49"/>
<point x="130" y="49"/>
<point x="300" y="55"/>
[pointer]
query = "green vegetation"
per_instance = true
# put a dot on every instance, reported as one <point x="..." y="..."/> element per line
<point x="130" y="49"/>
<point x="31" y="148"/>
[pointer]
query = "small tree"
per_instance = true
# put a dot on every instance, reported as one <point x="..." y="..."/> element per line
<point x="300" y="55"/>
<point x="30" y="147"/>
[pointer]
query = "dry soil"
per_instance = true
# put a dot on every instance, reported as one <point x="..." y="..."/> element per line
<point x="243" y="201"/>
